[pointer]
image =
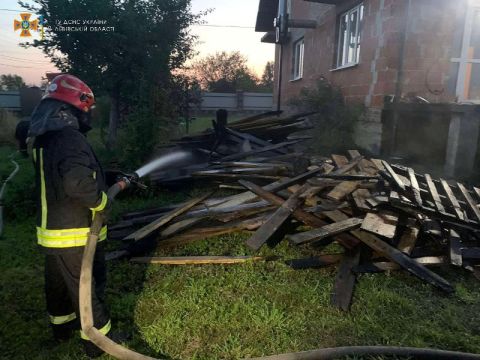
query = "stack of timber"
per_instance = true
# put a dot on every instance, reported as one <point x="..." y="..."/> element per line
<point x="261" y="147"/>
<point x="385" y="217"/>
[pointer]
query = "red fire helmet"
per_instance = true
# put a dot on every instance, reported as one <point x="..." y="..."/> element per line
<point x="72" y="90"/>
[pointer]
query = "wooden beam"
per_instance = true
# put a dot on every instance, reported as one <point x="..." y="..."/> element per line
<point x="207" y="232"/>
<point x="345" y="280"/>
<point x="455" y="248"/>
<point x="339" y="160"/>
<point x="273" y="224"/>
<point x="299" y="214"/>
<point x="271" y="147"/>
<point x="196" y="260"/>
<point x="325" y="231"/>
<point x="155" y="225"/>
<point x="388" y="266"/>
<point x="452" y="199"/>
<point x="348" y="167"/>
<point x="415" y="188"/>
<point x="471" y="203"/>
<point x="406" y="262"/>
<point x="314" y="262"/>
<point x="471" y="253"/>
<point x="408" y="239"/>
<point x="342" y="190"/>
<point x="378" y="163"/>
<point x="359" y="197"/>
<point x="394" y="175"/>
<point x="434" y="193"/>
<point x="380" y="224"/>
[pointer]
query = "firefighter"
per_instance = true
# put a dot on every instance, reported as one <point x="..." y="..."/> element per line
<point x="70" y="187"/>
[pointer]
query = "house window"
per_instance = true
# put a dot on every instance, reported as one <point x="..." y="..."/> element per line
<point x="468" y="64"/>
<point x="298" y="52"/>
<point x="349" y="33"/>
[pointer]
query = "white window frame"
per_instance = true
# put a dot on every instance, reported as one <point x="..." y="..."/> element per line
<point x="464" y="61"/>
<point x="298" y="59"/>
<point x="340" y="63"/>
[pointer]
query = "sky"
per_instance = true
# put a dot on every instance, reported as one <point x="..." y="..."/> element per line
<point x="230" y="28"/>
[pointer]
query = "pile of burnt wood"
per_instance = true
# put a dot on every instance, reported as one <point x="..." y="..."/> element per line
<point x="268" y="141"/>
<point x="384" y="217"/>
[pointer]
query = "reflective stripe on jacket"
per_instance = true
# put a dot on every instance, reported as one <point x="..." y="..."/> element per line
<point x="70" y="188"/>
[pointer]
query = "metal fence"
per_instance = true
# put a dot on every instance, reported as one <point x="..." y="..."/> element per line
<point x="240" y="101"/>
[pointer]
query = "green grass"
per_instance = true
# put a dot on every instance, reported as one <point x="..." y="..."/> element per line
<point x="203" y="122"/>
<point x="234" y="311"/>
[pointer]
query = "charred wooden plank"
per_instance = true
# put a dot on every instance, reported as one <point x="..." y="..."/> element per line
<point x="414" y="185"/>
<point x="359" y="197"/>
<point x="472" y="253"/>
<point x="434" y="193"/>
<point x="347" y="177"/>
<point x="179" y="226"/>
<point x="380" y="224"/>
<point x="365" y="165"/>
<point x="196" y="260"/>
<point x="398" y="182"/>
<point x="207" y="232"/>
<point x="259" y="151"/>
<point x="147" y="230"/>
<point x="301" y="215"/>
<point x="455" y="248"/>
<point x="406" y="262"/>
<point x="408" y="239"/>
<point x="345" y="280"/>
<point x="325" y="231"/>
<point x="348" y="167"/>
<point x="314" y="262"/>
<point x="342" y="190"/>
<point x="477" y="192"/>
<point x="446" y="218"/>
<point x="452" y="199"/>
<point x="378" y="163"/>
<point x="339" y="160"/>
<point x="388" y="266"/>
<point x="471" y="203"/>
<point x="273" y="224"/>
<point x="253" y="139"/>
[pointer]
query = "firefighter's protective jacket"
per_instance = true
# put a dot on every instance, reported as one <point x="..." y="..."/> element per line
<point x="70" y="182"/>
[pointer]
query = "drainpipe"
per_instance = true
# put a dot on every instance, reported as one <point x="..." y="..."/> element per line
<point x="400" y="75"/>
<point x="280" y="75"/>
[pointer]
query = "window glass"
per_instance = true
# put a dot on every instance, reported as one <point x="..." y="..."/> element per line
<point x="298" y="55"/>
<point x="474" y="48"/>
<point x="472" y="82"/>
<point x="352" y="37"/>
<point x="349" y="35"/>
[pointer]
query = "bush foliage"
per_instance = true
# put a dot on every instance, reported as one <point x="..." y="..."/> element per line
<point x="334" y="121"/>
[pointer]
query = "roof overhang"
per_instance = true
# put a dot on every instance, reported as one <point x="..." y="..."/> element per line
<point x="270" y="37"/>
<point x="267" y="12"/>
<point x="329" y="2"/>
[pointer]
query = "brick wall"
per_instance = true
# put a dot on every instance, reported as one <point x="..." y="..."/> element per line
<point x="434" y="27"/>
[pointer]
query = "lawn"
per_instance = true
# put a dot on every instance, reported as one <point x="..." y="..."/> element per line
<point x="229" y="312"/>
<point x="203" y="122"/>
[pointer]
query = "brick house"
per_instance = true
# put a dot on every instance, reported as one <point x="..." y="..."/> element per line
<point x="377" y="48"/>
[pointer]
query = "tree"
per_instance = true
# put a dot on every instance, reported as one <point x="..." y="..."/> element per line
<point x="124" y="48"/>
<point x="224" y="72"/>
<point x="11" y="82"/>
<point x="268" y="76"/>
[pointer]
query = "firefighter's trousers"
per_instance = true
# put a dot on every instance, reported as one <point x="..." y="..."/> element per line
<point x="62" y="277"/>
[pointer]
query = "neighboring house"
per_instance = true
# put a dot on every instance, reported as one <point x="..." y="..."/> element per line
<point x="373" y="49"/>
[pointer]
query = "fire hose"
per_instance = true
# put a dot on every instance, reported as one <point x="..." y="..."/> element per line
<point x="2" y="189"/>
<point x="120" y="352"/>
